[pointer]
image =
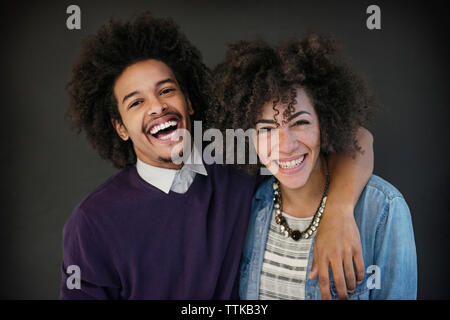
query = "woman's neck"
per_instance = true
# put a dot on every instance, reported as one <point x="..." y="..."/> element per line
<point x="303" y="202"/>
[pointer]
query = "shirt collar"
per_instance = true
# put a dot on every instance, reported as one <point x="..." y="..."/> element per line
<point x="163" y="178"/>
<point x="194" y="163"/>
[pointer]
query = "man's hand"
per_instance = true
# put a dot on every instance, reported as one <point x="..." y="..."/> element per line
<point x="338" y="245"/>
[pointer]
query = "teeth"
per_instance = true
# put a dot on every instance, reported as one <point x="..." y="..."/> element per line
<point x="162" y="126"/>
<point x="166" y="137"/>
<point x="291" y="164"/>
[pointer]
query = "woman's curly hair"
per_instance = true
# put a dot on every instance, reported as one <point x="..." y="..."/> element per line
<point x="105" y="55"/>
<point x="254" y="73"/>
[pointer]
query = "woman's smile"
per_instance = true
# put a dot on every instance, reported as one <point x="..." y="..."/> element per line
<point x="291" y="165"/>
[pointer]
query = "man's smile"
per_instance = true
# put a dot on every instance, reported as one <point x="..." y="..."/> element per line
<point x="164" y="128"/>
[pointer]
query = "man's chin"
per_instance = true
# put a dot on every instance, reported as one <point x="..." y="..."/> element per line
<point x="169" y="159"/>
<point x="165" y="160"/>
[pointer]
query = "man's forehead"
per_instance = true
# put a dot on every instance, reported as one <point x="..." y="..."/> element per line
<point x="152" y="69"/>
<point x="143" y="74"/>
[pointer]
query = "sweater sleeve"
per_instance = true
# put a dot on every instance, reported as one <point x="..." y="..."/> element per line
<point x="395" y="254"/>
<point x="87" y="269"/>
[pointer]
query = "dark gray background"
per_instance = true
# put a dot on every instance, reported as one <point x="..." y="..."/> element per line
<point x="47" y="169"/>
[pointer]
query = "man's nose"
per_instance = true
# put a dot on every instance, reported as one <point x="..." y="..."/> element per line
<point x="156" y="107"/>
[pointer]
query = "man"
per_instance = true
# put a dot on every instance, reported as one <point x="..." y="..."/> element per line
<point x="157" y="229"/>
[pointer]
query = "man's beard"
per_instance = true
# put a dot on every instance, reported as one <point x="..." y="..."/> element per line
<point x="169" y="160"/>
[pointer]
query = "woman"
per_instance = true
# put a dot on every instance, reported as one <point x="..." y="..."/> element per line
<point x="306" y="105"/>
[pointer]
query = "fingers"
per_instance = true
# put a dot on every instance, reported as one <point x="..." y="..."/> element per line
<point x="349" y="271"/>
<point x="313" y="273"/>
<point x="339" y="279"/>
<point x="359" y="265"/>
<point x="324" y="281"/>
<point x="314" y="268"/>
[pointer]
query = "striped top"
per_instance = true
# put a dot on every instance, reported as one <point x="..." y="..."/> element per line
<point x="285" y="262"/>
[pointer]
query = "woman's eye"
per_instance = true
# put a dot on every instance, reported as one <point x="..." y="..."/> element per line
<point x="300" y="122"/>
<point x="264" y="130"/>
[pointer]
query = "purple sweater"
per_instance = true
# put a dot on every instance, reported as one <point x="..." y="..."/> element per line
<point x="132" y="241"/>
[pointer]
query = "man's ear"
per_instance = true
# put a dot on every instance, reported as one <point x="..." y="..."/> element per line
<point x="189" y="106"/>
<point x="120" y="129"/>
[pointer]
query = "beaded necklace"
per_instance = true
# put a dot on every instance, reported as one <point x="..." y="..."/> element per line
<point x="279" y="219"/>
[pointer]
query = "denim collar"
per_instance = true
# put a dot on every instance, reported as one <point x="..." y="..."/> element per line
<point x="265" y="190"/>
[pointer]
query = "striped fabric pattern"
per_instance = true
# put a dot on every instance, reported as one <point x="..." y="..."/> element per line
<point x="285" y="261"/>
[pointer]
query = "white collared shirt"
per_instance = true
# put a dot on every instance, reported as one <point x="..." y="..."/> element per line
<point x="174" y="180"/>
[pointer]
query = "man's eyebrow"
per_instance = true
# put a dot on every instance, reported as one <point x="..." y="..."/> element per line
<point x="297" y="114"/>
<point x="129" y="96"/>
<point x="168" y="80"/>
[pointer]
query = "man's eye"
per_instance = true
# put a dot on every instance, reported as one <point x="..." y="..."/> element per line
<point x="300" y="122"/>
<point x="135" y="104"/>
<point x="166" y="91"/>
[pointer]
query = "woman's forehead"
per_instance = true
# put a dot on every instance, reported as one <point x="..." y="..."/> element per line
<point x="294" y="101"/>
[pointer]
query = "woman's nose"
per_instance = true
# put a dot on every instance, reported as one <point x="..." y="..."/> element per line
<point x="287" y="141"/>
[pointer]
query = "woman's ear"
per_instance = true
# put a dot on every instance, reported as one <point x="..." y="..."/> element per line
<point x="120" y="129"/>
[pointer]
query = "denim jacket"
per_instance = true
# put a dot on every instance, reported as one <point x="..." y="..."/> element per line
<point x="387" y="239"/>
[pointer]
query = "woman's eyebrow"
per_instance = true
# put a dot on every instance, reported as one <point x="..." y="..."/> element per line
<point x="266" y="121"/>
<point x="297" y="114"/>
<point x="289" y="119"/>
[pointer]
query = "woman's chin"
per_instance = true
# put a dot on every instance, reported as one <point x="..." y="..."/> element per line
<point x="290" y="178"/>
<point x="291" y="182"/>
